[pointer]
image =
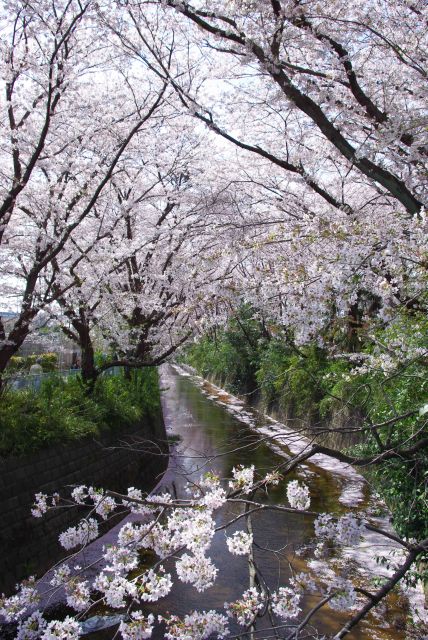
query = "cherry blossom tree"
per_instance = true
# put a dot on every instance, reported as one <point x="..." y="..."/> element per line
<point x="142" y="285"/>
<point x="319" y="97"/>
<point x="69" y="116"/>
<point x="314" y="213"/>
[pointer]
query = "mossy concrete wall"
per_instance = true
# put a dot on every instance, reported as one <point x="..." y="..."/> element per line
<point x="125" y="458"/>
<point x="338" y="430"/>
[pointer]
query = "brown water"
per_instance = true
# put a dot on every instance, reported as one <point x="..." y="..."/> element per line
<point x="208" y="424"/>
<point x="211" y="438"/>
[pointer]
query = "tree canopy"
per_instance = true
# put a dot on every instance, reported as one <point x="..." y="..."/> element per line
<point x="164" y="162"/>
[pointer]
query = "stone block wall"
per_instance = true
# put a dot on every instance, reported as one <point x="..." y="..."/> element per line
<point x="115" y="460"/>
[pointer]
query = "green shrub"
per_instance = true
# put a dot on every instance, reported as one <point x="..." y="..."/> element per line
<point x="310" y="383"/>
<point x="390" y="394"/>
<point x="62" y="410"/>
<point x="292" y="381"/>
<point x="49" y="362"/>
<point x="230" y="355"/>
<point x="16" y="363"/>
<point x="22" y="364"/>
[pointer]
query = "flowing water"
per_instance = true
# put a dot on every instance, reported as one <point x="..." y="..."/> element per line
<point x="214" y="431"/>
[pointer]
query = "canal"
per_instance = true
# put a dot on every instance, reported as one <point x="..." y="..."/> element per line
<point x="217" y="432"/>
<point x="213" y="431"/>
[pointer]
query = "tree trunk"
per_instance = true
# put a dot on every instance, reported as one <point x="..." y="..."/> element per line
<point x="88" y="369"/>
<point x="12" y="342"/>
<point x="82" y="335"/>
<point x="354" y="326"/>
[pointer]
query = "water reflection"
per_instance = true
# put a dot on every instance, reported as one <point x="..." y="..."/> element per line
<point x="210" y="438"/>
<point x="213" y="439"/>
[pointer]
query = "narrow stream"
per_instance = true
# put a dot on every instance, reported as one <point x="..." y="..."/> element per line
<point x="211" y="437"/>
<point x="215" y="432"/>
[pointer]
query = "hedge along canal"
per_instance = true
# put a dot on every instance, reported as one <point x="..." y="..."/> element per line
<point x="211" y="428"/>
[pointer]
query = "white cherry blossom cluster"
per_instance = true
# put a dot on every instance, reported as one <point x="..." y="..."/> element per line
<point x="298" y="495"/>
<point x="325" y="526"/>
<point x="196" y="626"/>
<point x="83" y="533"/>
<point x="273" y="478"/>
<point x="77" y="594"/>
<point x="121" y="558"/>
<point x="60" y="575"/>
<point x="210" y="481"/>
<point x="387" y="363"/>
<point x="247" y="607"/>
<point x="32" y="627"/>
<point x="243" y="479"/>
<point x="285" y="603"/>
<point x="344" y="595"/>
<point x="193" y="529"/>
<point x="104" y="505"/>
<point x="161" y="540"/>
<point x="139" y="628"/>
<point x="346" y="531"/>
<point x="132" y="535"/>
<point x="198" y="570"/>
<point x="240" y="543"/>
<point x="137" y="507"/>
<point x="68" y="629"/>
<point x="79" y="494"/>
<point x="189" y="527"/>
<point x="198" y="534"/>
<point x="40" y="505"/>
<point x="14" y="607"/>
<point x="115" y="589"/>
<point x="160" y="499"/>
<point x="303" y="582"/>
<point x="214" y="499"/>
<point x="349" y="530"/>
<point x="154" y="586"/>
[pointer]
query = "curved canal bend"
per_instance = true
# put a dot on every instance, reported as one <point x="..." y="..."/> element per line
<point x="210" y="425"/>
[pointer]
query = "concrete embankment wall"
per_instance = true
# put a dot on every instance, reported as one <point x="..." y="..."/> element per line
<point x="337" y="431"/>
<point x="125" y="458"/>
